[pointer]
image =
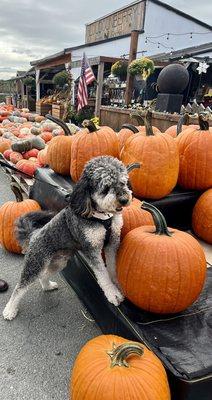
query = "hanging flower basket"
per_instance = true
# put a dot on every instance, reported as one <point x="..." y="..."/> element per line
<point x="119" y="69"/>
<point x="142" y="66"/>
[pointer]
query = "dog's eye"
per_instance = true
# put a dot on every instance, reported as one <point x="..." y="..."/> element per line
<point x="105" y="190"/>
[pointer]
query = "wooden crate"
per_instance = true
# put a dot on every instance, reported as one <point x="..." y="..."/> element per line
<point x="43" y="109"/>
<point x="57" y="111"/>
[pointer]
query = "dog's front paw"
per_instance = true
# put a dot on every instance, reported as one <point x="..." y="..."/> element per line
<point x="114" y="296"/>
<point x="9" y="312"/>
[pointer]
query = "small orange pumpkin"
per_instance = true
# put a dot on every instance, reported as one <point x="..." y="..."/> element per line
<point x="15" y="157"/>
<point x="134" y="216"/>
<point x="202" y="216"/>
<point x="27" y="166"/>
<point x="5" y="144"/>
<point x="126" y="131"/>
<point x="59" y="154"/>
<point x="30" y="153"/>
<point x="42" y="157"/>
<point x="90" y="143"/>
<point x="9" y="212"/>
<point x="160" y="270"/>
<point x="110" y="367"/>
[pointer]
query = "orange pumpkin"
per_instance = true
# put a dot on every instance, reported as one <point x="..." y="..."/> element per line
<point x="202" y="217"/>
<point x="90" y="143"/>
<point x="183" y="124"/>
<point x="59" y="154"/>
<point x="134" y="216"/>
<point x="7" y="153"/>
<point x="5" y="144"/>
<point x="160" y="270"/>
<point x="110" y="367"/>
<point x="195" y="149"/>
<point x="126" y="131"/>
<point x="31" y="153"/>
<point x="42" y="157"/>
<point x="15" y="157"/>
<point x="9" y="212"/>
<point x="46" y="136"/>
<point x="159" y="158"/>
<point x="27" y="166"/>
<point x="140" y="118"/>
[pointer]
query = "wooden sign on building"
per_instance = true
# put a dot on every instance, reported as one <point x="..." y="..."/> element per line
<point x="117" y="24"/>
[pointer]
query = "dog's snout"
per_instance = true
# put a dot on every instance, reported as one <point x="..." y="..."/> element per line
<point x="123" y="200"/>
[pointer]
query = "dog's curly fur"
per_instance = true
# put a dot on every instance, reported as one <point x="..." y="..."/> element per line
<point x="103" y="188"/>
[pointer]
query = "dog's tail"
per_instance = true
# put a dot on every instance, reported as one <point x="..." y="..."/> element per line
<point x="27" y="224"/>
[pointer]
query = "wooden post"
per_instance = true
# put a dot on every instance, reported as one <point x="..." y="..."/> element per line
<point x="37" y="84"/>
<point x="132" y="56"/>
<point x="100" y="79"/>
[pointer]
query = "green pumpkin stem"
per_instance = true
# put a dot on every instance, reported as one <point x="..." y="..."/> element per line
<point x="17" y="192"/>
<point x="138" y="116"/>
<point x="130" y="127"/>
<point x="119" y="354"/>
<point x="60" y="123"/>
<point x="203" y="122"/>
<point x="132" y="166"/>
<point x="89" y="125"/>
<point x="184" y="120"/>
<point x="158" y="218"/>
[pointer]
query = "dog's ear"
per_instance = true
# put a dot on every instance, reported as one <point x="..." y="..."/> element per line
<point x="80" y="199"/>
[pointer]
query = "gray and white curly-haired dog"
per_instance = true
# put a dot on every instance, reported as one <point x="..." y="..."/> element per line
<point x="91" y="221"/>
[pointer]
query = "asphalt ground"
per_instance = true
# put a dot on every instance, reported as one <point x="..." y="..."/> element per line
<point x="38" y="348"/>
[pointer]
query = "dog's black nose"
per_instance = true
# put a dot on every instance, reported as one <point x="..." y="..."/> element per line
<point x="123" y="201"/>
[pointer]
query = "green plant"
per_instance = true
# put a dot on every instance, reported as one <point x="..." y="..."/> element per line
<point x="61" y="79"/>
<point x="119" y="69"/>
<point x="29" y="81"/>
<point x="142" y="66"/>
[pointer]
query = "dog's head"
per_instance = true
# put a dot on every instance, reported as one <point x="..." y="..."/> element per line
<point x="103" y="186"/>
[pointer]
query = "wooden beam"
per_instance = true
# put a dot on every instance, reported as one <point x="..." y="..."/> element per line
<point x="132" y="56"/>
<point x="100" y="79"/>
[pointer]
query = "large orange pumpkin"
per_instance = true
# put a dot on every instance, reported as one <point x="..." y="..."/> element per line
<point x="160" y="270"/>
<point x="9" y="212"/>
<point x="159" y="158"/>
<point x="90" y="143"/>
<point x="110" y="367"/>
<point x="195" y="149"/>
<point x="134" y="216"/>
<point x="59" y="154"/>
<point x="202" y="217"/>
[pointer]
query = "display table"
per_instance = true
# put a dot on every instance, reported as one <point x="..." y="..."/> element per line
<point x="182" y="341"/>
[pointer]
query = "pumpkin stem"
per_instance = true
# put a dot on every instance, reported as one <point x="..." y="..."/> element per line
<point x="184" y="120"/>
<point x="60" y="123"/>
<point x="132" y="166"/>
<point x="119" y="354"/>
<point x="203" y="122"/>
<point x="89" y="125"/>
<point x="17" y="191"/>
<point x="130" y="127"/>
<point x="158" y="218"/>
<point x="146" y="120"/>
<point x="138" y="116"/>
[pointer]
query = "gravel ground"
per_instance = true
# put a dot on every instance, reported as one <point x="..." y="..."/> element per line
<point x="38" y="348"/>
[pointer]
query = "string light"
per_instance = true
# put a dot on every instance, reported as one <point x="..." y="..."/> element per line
<point x="168" y="34"/>
<point x="191" y="37"/>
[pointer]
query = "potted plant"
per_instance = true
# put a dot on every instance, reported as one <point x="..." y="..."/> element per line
<point x="119" y="69"/>
<point x="143" y="67"/>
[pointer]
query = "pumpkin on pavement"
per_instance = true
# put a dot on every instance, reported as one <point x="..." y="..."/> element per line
<point x="110" y="367"/>
<point x="90" y="143"/>
<point x="9" y="212"/>
<point x="160" y="270"/>
<point x="159" y="158"/>
<point x="202" y="216"/>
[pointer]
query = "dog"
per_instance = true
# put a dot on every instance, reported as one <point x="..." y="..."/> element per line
<point x="91" y="222"/>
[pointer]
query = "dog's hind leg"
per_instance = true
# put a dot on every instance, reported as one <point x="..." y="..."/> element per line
<point x="29" y="275"/>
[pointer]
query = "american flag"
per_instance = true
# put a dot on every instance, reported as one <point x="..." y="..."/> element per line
<point x="86" y="78"/>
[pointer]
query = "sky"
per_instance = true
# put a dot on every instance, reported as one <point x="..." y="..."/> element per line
<point x="33" y="29"/>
